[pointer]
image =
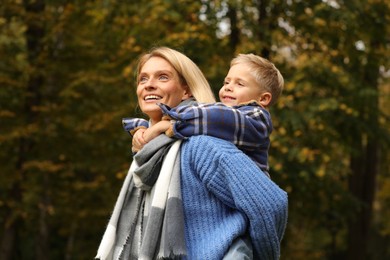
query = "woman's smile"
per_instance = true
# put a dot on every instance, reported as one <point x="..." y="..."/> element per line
<point x="158" y="82"/>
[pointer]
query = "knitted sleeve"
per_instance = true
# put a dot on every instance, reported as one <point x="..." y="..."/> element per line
<point x="234" y="179"/>
<point x="247" y="126"/>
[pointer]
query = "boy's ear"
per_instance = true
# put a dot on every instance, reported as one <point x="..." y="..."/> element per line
<point x="265" y="99"/>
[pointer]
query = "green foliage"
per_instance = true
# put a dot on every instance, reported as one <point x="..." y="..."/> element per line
<point x="65" y="86"/>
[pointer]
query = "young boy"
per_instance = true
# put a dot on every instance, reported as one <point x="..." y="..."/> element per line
<point x="250" y="87"/>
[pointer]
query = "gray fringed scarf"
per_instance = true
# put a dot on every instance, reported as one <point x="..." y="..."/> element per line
<point x="148" y="221"/>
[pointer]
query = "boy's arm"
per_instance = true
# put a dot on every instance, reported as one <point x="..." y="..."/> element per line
<point x="135" y="127"/>
<point x="131" y="125"/>
<point x="156" y="130"/>
<point x="138" y="141"/>
<point x="141" y="133"/>
<point x="247" y="127"/>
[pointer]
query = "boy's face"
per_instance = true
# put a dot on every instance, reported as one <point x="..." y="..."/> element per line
<point x="239" y="86"/>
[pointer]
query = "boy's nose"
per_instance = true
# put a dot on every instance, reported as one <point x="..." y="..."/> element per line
<point x="228" y="87"/>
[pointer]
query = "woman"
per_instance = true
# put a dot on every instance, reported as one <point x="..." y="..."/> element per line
<point x="218" y="196"/>
<point x="178" y="79"/>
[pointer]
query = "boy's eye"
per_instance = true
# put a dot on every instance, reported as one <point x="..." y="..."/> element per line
<point x="163" y="77"/>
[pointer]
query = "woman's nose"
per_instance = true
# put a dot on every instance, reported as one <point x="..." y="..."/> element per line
<point x="150" y="85"/>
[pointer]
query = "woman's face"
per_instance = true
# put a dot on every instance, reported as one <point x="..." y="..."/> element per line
<point x="158" y="82"/>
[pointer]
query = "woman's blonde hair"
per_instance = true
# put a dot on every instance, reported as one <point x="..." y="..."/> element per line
<point x="267" y="75"/>
<point x="188" y="71"/>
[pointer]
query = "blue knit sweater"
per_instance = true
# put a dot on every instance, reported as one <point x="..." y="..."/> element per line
<point x="225" y="195"/>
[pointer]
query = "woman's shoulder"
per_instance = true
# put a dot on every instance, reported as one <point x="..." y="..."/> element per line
<point x="207" y="143"/>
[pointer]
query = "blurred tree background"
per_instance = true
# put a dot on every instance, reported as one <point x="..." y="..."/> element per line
<point x="67" y="79"/>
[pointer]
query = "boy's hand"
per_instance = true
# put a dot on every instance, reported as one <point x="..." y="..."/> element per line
<point x="156" y="130"/>
<point x="138" y="140"/>
<point x="143" y="136"/>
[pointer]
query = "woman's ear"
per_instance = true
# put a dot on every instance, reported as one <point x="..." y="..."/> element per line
<point x="265" y="99"/>
<point x="187" y="93"/>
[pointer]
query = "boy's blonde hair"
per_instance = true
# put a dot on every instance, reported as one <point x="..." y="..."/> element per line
<point x="188" y="71"/>
<point x="266" y="74"/>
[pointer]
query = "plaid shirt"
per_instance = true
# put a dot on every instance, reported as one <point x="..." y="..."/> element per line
<point x="248" y="126"/>
<point x="131" y="124"/>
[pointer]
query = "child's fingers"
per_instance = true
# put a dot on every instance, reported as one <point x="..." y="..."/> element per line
<point x="138" y="140"/>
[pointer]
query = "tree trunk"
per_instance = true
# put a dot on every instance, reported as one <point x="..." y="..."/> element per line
<point x="234" y="30"/>
<point x="8" y="241"/>
<point x="71" y="239"/>
<point x="42" y="247"/>
<point x="364" y="165"/>
<point x="357" y="229"/>
<point x="35" y="33"/>
<point x="13" y="221"/>
<point x="362" y="186"/>
<point x="263" y="31"/>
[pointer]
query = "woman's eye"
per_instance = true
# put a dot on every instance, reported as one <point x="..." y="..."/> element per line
<point x="143" y="79"/>
<point x="226" y="82"/>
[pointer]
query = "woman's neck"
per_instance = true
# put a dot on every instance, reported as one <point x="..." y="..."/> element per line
<point x="153" y="121"/>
